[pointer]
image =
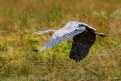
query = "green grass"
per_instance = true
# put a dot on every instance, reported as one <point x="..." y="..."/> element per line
<point x="19" y="61"/>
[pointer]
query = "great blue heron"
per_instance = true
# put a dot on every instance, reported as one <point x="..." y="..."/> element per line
<point x="83" y="38"/>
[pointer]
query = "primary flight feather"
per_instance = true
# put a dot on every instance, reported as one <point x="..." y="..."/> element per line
<point x="83" y="35"/>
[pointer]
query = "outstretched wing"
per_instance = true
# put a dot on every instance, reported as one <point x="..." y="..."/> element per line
<point x="63" y="34"/>
<point x="81" y="45"/>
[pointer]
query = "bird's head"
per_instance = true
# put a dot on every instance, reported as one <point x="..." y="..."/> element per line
<point x="86" y="27"/>
<point x="91" y="29"/>
<point x="78" y="26"/>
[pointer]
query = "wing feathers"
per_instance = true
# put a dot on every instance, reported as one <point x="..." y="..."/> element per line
<point x="60" y="36"/>
<point x="81" y="45"/>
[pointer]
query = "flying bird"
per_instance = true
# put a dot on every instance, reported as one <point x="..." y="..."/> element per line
<point x="83" y="35"/>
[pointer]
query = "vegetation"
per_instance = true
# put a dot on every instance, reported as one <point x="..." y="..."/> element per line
<point x="20" y="18"/>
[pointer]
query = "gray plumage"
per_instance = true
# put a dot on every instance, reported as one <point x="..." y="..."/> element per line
<point x="83" y="35"/>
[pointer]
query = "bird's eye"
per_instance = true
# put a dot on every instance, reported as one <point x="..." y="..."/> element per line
<point x="80" y="25"/>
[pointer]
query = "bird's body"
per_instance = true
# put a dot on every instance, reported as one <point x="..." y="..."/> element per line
<point x="83" y="38"/>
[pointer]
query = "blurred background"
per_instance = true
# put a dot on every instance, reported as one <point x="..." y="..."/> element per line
<point x="20" y="18"/>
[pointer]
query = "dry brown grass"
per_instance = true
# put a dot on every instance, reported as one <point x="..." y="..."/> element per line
<point x="18" y="61"/>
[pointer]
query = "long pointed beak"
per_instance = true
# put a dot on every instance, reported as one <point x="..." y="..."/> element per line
<point x="101" y="34"/>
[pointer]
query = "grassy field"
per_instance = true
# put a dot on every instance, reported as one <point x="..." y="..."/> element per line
<point x="20" y="18"/>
